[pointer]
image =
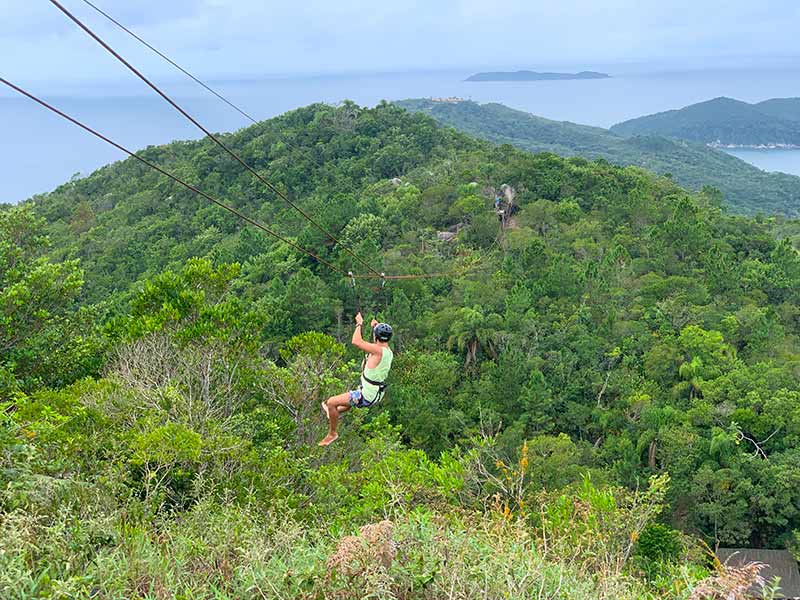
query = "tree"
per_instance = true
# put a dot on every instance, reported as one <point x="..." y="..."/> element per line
<point x="707" y="357"/>
<point x="314" y="370"/>
<point x="421" y="399"/>
<point x="474" y="330"/>
<point x="46" y="337"/>
<point x="719" y="504"/>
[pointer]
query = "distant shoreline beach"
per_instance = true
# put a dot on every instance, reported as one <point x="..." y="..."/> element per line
<point x="721" y="146"/>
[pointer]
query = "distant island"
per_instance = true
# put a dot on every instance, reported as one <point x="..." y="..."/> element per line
<point x="725" y="123"/>
<point x="534" y="76"/>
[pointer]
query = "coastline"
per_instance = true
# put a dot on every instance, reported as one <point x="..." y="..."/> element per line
<point x="494" y="76"/>
<point x="777" y="146"/>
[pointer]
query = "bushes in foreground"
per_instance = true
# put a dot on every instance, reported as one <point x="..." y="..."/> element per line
<point x="231" y="552"/>
<point x="100" y="512"/>
<point x="135" y="487"/>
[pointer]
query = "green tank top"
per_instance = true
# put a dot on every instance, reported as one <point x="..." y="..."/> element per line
<point x="379" y="373"/>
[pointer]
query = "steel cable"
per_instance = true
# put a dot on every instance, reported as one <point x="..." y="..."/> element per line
<point x="169" y="60"/>
<point x="208" y="133"/>
<point x="175" y="178"/>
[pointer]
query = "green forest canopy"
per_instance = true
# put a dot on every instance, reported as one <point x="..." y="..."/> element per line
<point x="155" y="351"/>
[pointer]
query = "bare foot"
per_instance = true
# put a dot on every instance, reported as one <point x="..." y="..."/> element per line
<point x="325" y="410"/>
<point x="329" y="439"/>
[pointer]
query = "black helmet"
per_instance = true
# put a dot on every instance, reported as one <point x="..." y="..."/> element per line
<point x="382" y="332"/>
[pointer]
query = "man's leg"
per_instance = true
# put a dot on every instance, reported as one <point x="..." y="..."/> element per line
<point x="341" y="409"/>
<point x="335" y="405"/>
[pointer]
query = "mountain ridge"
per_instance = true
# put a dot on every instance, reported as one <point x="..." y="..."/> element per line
<point x="724" y="121"/>
<point x="747" y="189"/>
<point x="787" y="108"/>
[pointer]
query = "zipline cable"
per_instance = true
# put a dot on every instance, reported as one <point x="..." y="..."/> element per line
<point x="175" y="178"/>
<point x="138" y="38"/>
<point x="169" y="60"/>
<point x="419" y="276"/>
<point x="352" y="276"/>
<point x="208" y="133"/>
<point x="439" y="274"/>
<point x="374" y="274"/>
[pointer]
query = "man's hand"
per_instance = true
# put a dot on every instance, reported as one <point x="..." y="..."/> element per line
<point x="373" y="324"/>
<point x="359" y="319"/>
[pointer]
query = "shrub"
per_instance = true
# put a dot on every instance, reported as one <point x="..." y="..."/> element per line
<point x="659" y="543"/>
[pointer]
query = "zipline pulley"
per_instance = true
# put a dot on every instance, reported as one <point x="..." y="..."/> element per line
<point x="355" y="290"/>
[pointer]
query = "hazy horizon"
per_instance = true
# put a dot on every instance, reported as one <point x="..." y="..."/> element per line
<point x="124" y="80"/>
<point x="43" y="151"/>
<point x="219" y="40"/>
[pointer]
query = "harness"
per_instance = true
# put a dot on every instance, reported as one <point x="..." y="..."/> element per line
<point x="381" y="385"/>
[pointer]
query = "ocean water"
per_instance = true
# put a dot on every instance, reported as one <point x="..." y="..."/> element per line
<point x="781" y="161"/>
<point x="39" y="151"/>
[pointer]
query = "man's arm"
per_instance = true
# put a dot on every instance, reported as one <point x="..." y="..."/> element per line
<point x="358" y="340"/>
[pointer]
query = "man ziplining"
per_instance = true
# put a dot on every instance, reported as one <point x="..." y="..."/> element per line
<point x="375" y="370"/>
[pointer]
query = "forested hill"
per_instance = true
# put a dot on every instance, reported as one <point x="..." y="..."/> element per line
<point x="784" y="108"/>
<point x="747" y="189"/>
<point x="126" y="221"/>
<point x="726" y="121"/>
<point x="615" y="373"/>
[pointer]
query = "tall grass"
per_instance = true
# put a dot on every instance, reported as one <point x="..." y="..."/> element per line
<point x="232" y="552"/>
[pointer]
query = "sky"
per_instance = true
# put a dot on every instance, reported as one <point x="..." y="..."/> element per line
<point x="252" y="38"/>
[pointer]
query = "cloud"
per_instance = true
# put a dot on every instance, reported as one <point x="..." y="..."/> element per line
<point x="226" y="38"/>
<point x="26" y="19"/>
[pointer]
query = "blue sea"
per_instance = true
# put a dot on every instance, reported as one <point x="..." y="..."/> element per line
<point x="39" y="151"/>
<point x="777" y="160"/>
